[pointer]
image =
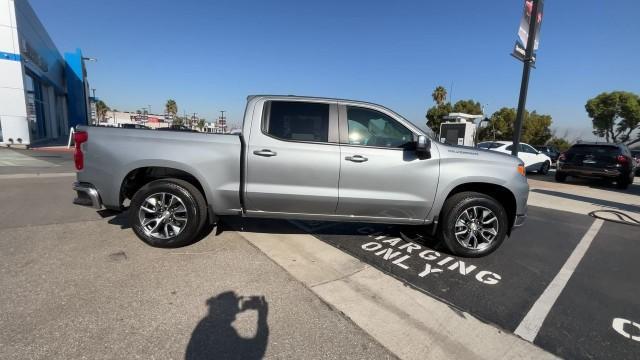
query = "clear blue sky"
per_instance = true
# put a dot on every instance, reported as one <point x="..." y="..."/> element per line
<point x="208" y="55"/>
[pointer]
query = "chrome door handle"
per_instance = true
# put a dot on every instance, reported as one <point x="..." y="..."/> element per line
<point x="356" y="158"/>
<point x="265" y="152"/>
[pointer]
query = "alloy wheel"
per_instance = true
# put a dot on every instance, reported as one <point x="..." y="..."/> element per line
<point x="476" y="227"/>
<point x="162" y="215"/>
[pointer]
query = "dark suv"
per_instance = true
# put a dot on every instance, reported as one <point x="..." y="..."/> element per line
<point x="550" y="151"/>
<point x="636" y="155"/>
<point x="597" y="161"/>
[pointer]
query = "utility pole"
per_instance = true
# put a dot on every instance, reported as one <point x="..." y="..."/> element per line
<point x="223" y="121"/>
<point x="526" y="71"/>
<point x="94" y="93"/>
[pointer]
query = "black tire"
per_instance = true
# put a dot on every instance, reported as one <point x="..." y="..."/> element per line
<point x="544" y="168"/>
<point x="560" y="177"/>
<point x="454" y="208"/>
<point x="623" y="182"/>
<point x="195" y="209"/>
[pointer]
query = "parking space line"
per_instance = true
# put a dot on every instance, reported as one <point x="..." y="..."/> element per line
<point x="530" y="325"/>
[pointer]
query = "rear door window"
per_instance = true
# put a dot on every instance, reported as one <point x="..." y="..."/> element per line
<point x="297" y="121"/>
<point x="529" y="149"/>
<point x="489" y="145"/>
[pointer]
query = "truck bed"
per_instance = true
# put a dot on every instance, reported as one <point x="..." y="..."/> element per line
<point x="213" y="159"/>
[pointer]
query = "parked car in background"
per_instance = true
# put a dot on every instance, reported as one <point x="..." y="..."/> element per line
<point x="636" y="156"/>
<point x="134" y="126"/>
<point x="603" y="161"/>
<point x="532" y="158"/>
<point x="176" y="128"/>
<point x="303" y="158"/>
<point x="550" y="151"/>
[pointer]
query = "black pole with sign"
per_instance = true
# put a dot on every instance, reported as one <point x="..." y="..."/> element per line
<point x="526" y="71"/>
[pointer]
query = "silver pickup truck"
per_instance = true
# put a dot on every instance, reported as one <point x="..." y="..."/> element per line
<point x="302" y="158"/>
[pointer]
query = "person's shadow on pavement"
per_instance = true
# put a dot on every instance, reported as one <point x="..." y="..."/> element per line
<point x="215" y="338"/>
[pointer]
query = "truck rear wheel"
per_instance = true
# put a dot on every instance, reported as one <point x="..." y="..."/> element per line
<point x="473" y="224"/>
<point x="168" y="213"/>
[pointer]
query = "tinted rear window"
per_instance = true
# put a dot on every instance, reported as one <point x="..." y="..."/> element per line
<point x="299" y="121"/>
<point x="489" y="145"/>
<point x="594" y="149"/>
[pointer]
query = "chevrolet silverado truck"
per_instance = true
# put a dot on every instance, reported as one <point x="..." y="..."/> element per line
<point x="302" y="158"/>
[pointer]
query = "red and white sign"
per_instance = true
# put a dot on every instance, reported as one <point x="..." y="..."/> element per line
<point x="523" y="31"/>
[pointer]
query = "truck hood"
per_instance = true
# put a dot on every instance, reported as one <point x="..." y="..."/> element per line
<point x="475" y="154"/>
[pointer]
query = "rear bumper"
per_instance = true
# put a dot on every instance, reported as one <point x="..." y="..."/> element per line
<point x="87" y="195"/>
<point x="590" y="172"/>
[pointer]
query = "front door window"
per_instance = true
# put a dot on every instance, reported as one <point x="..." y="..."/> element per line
<point x="372" y="128"/>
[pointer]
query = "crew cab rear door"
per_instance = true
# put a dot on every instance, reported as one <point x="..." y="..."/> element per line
<point x="381" y="177"/>
<point x="293" y="158"/>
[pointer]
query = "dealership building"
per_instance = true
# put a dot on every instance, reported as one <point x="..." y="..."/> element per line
<point x="42" y="92"/>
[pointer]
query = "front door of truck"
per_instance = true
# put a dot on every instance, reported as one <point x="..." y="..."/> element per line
<point x="381" y="176"/>
<point x="293" y="158"/>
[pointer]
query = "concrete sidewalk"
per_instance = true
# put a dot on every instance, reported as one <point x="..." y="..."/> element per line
<point x="409" y="323"/>
<point x="75" y="285"/>
<point x="582" y="196"/>
<point x="15" y="161"/>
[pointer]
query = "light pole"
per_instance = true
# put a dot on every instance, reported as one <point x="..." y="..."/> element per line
<point x="223" y="121"/>
<point x="526" y="71"/>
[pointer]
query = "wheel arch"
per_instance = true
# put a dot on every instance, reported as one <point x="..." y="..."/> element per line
<point x="502" y="194"/>
<point x="138" y="177"/>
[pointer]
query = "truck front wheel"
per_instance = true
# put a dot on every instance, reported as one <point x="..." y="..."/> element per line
<point x="472" y="224"/>
<point x="168" y="213"/>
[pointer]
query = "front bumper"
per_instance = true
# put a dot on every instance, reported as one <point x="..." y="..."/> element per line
<point x="87" y="195"/>
<point x="519" y="220"/>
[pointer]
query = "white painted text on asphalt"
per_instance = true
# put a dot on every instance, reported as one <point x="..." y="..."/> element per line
<point x="435" y="263"/>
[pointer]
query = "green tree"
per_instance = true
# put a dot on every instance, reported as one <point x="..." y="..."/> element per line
<point x="435" y="116"/>
<point x="101" y="110"/>
<point x="201" y="124"/>
<point x="178" y="120"/>
<point x="535" y="129"/>
<point x="500" y="125"/>
<point x="439" y="95"/>
<point x="468" y="107"/>
<point x="614" y="115"/>
<point x="171" y="107"/>
<point x="559" y="143"/>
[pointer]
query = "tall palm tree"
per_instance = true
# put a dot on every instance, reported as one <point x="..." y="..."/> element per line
<point x="171" y="107"/>
<point x="101" y="110"/>
<point x="439" y="95"/>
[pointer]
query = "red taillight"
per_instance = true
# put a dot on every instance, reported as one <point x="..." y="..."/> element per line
<point x="622" y="160"/>
<point x="562" y="157"/>
<point x="79" y="138"/>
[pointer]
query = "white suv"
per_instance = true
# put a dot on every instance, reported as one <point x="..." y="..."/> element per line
<point x="533" y="159"/>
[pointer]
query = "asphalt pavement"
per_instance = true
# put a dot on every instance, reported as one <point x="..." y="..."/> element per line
<point x="565" y="281"/>
<point x="77" y="283"/>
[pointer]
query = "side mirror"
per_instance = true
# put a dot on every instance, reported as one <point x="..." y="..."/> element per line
<point x="423" y="147"/>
